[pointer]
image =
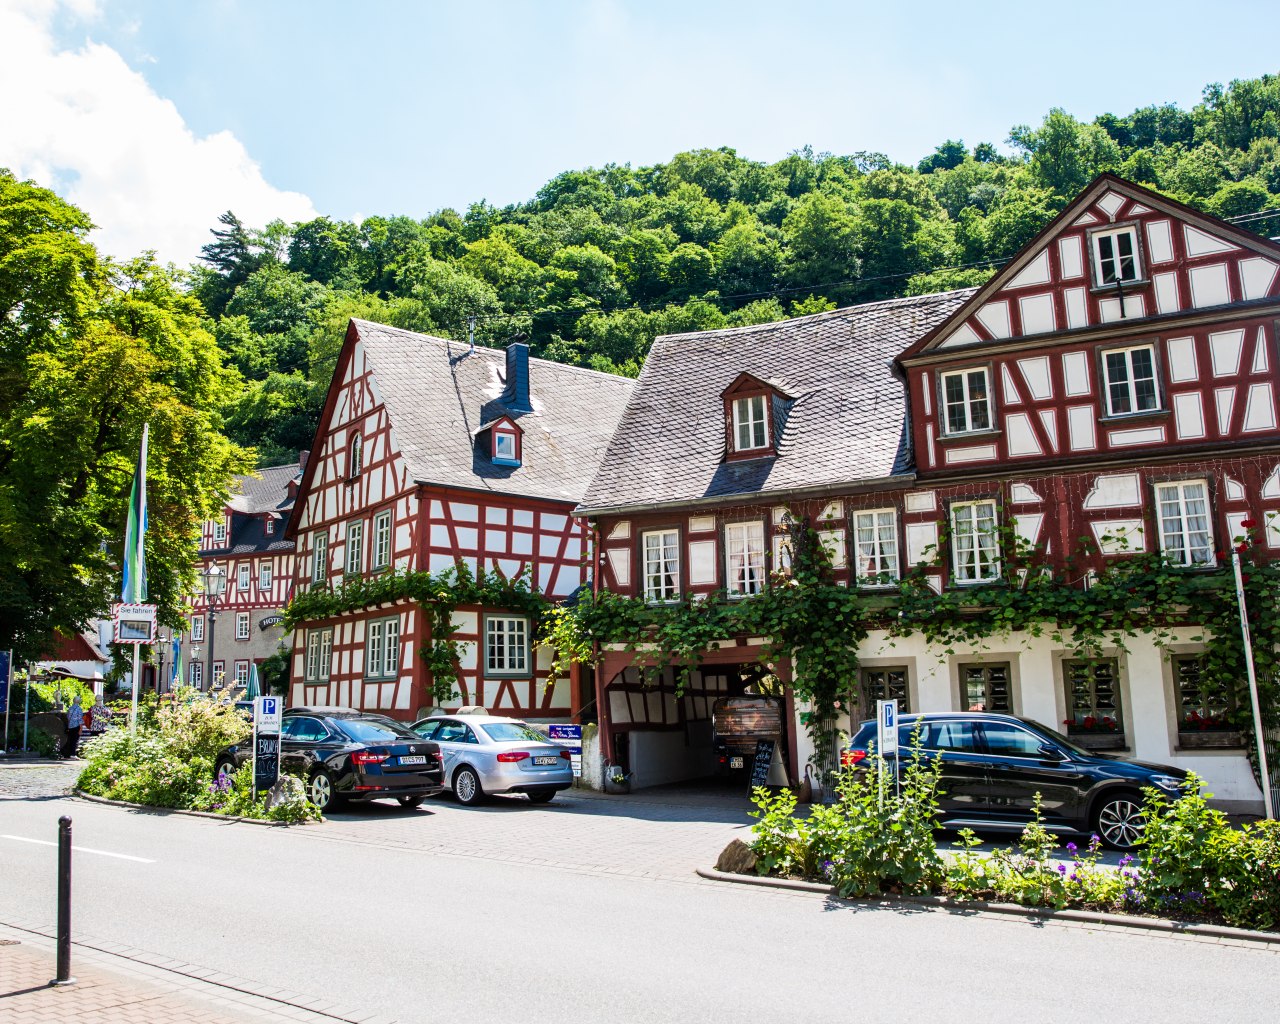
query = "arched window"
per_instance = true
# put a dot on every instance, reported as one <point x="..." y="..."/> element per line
<point x="355" y="463"/>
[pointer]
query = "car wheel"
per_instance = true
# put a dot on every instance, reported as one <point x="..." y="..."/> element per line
<point x="466" y="786"/>
<point x="320" y="791"/>
<point x="410" y="802"/>
<point x="542" y="796"/>
<point x="1118" y="820"/>
<point x="225" y="767"/>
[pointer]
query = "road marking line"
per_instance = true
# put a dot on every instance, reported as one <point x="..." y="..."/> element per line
<point x="81" y="849"/>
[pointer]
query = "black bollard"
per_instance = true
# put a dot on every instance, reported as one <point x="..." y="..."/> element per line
<point x="64" y="903"/>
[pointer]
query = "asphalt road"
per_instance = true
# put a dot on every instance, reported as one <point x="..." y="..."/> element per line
<point x="424" y="936"/>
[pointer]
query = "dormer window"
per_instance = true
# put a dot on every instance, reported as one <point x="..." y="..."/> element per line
<point x="356" y="461"/>
<point x="755" y="412"/>
<point x="220" y="532"/>
<point x="1115" y="257"/>
<point x="750" y="424"/>
<point x="504" y="448"/>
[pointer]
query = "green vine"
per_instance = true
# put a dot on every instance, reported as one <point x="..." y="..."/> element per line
<point x="438" y="594"/>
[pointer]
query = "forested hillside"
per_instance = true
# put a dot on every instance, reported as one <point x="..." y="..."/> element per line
<point x="601" y="261"/>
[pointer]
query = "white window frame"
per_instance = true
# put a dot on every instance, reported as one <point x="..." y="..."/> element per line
<point x="382" y="648"/>
<point x="966" y="570"/>
<point x="968" y="401"/>
<point x="355" y="548"/>
<point x="243" y="574"/>
<point x="242" y="625"/>
<point x="1095" y="249"/>
<point x="320" y="557"/>
<point x="266" y="575"/>
<point x="505" y="438"/>
<point x="197" y="674"/>
<point x="270" y="525"/>
<point x="744" y="558"/>
<point x="319" y="655"/>
<point x="242" y="679"/>
<point x="381" y="540"/>
<point x="1130" y="380"/>
<point x="875" y="542"/>
<point x="752" y="419"/>
<point x="218" y="673"/>
<point x="1180" y="502"/>
<point x="220" y="531"/>
<point x="662" y="562"/>
<point x="507" y="652"/>
<point x="197" y="629"/>
<point x="355" y="457"/>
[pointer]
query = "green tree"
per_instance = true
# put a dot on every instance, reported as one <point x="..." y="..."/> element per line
<point x="821" y="241"/>
<point x="90" y="352"/>
<point x="1066" y="155"/>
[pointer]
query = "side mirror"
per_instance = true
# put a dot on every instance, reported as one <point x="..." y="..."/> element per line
<point x="1051" y="753"/>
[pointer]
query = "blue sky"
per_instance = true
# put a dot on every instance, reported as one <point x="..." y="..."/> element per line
<point x="406" y="107"/>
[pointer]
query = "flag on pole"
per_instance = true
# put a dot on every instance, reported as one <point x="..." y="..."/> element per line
<point x="134" y="590"/>
<point x="176" y="680"/>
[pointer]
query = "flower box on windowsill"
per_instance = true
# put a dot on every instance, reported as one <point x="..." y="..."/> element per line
<point x="1211" y="738"/>
<point x="1099" y="740"/>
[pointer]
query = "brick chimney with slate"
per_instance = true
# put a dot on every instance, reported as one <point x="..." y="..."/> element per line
<point x="516" y="395"/>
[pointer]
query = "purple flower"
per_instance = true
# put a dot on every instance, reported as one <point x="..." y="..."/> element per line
<point x="1071" y="847"/>
<point x="1062" y="869"/>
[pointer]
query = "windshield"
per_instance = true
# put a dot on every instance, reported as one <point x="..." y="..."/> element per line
<point x="1058" y="738"/>
<point x="375" y="730"/>
<point x="512" y="732"/>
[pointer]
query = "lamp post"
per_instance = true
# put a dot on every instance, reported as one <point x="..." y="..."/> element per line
<point x="215" y="585"/>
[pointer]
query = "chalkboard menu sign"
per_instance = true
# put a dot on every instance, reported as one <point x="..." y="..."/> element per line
<point x="266" y="762"/>
<point x="760" y="767"/>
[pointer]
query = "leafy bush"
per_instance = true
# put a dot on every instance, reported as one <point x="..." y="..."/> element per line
<point x="170" y="762"/>
<point x="233" y="795"/>
<point x="876" y="838"/>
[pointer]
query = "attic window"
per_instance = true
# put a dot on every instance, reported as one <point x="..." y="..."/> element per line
<point x="506" y="450"/>
<point x="271" y="526"/>
<point x="1115" y="257"/>
<point x="750" y="424"/>
<point x="356" y="461"/>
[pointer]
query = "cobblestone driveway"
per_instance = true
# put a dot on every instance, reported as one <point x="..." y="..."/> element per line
<point x="663" y="833"/>
<point x="39" y="780"/>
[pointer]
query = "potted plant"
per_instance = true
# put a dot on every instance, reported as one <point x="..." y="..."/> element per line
<point x="616" y="780"/>
<point x="1207" y="730"/>
<point x="1096" y="732"/>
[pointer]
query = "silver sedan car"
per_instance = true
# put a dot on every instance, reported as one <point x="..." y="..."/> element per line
<point x="484" y="754"/>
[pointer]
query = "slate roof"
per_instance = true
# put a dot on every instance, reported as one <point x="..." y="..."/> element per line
<point x="439" y="393"/>
<point x="266" y="492"/>
<point x="254" y="497"/>
<point x="847" y="423"/>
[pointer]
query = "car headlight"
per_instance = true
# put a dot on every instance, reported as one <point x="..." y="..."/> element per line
<point x="1169" y="782"/>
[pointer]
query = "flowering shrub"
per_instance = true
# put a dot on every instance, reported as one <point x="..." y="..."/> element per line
<point x="170" y="761"/>
<point x="233" y="795"/>
<point x="1192" y="864"/>
<point x="1092" y="724"/>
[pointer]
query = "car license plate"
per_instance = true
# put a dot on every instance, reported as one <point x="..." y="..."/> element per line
<point x="413" y="760"/>
<point x="545" y="759"/>
<point x="736" y="762"/>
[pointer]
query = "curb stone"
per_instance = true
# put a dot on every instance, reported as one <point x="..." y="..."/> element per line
<point x="1156" y="924"/>
<point x="82" y="795"/>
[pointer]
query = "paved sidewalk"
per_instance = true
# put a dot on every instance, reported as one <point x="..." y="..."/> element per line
<point x="119" y="988"/>
<point x="99" y="997"/>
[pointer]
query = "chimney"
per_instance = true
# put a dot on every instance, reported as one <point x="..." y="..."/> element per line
<point x="516" y="394"/>
<point x="302" y="461"/>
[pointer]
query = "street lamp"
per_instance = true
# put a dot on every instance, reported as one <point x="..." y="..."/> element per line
<point x="215" y="585"/>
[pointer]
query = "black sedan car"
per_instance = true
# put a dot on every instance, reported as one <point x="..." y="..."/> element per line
<point x="349" y="755"/>
<point x="992" y="766"/>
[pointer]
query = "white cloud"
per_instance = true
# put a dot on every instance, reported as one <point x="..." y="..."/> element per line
<point x="84" y="123"/>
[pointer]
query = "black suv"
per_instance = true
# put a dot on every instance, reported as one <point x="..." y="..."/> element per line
<point x="992" y="766"/>
<point x="348" y="755"/>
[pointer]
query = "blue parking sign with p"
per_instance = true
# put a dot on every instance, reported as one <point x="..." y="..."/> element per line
<point x="887" y="726"/>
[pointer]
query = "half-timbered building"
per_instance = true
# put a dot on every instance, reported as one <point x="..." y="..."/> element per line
<point x="247" y="545"/>
<point x="432" y="454"/>
<point x="1112" y="390"/>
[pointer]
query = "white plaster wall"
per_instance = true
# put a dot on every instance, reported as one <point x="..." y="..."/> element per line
<point x="662" y="757"/>
<point x="1038" y="692"/>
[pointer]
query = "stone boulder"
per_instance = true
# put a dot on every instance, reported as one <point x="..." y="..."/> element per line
<point x="737" y="859"/>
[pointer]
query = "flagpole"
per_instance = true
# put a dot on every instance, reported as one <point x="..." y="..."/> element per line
<point x="134" y="589"/>
<point x="133" y="707"/>
<point x="1253" y="689"/>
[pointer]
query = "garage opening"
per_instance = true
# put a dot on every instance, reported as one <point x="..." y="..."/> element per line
<point x="661" y="737"/>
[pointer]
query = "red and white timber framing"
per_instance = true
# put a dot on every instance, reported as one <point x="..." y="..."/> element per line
<point x="432" y="529"/>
